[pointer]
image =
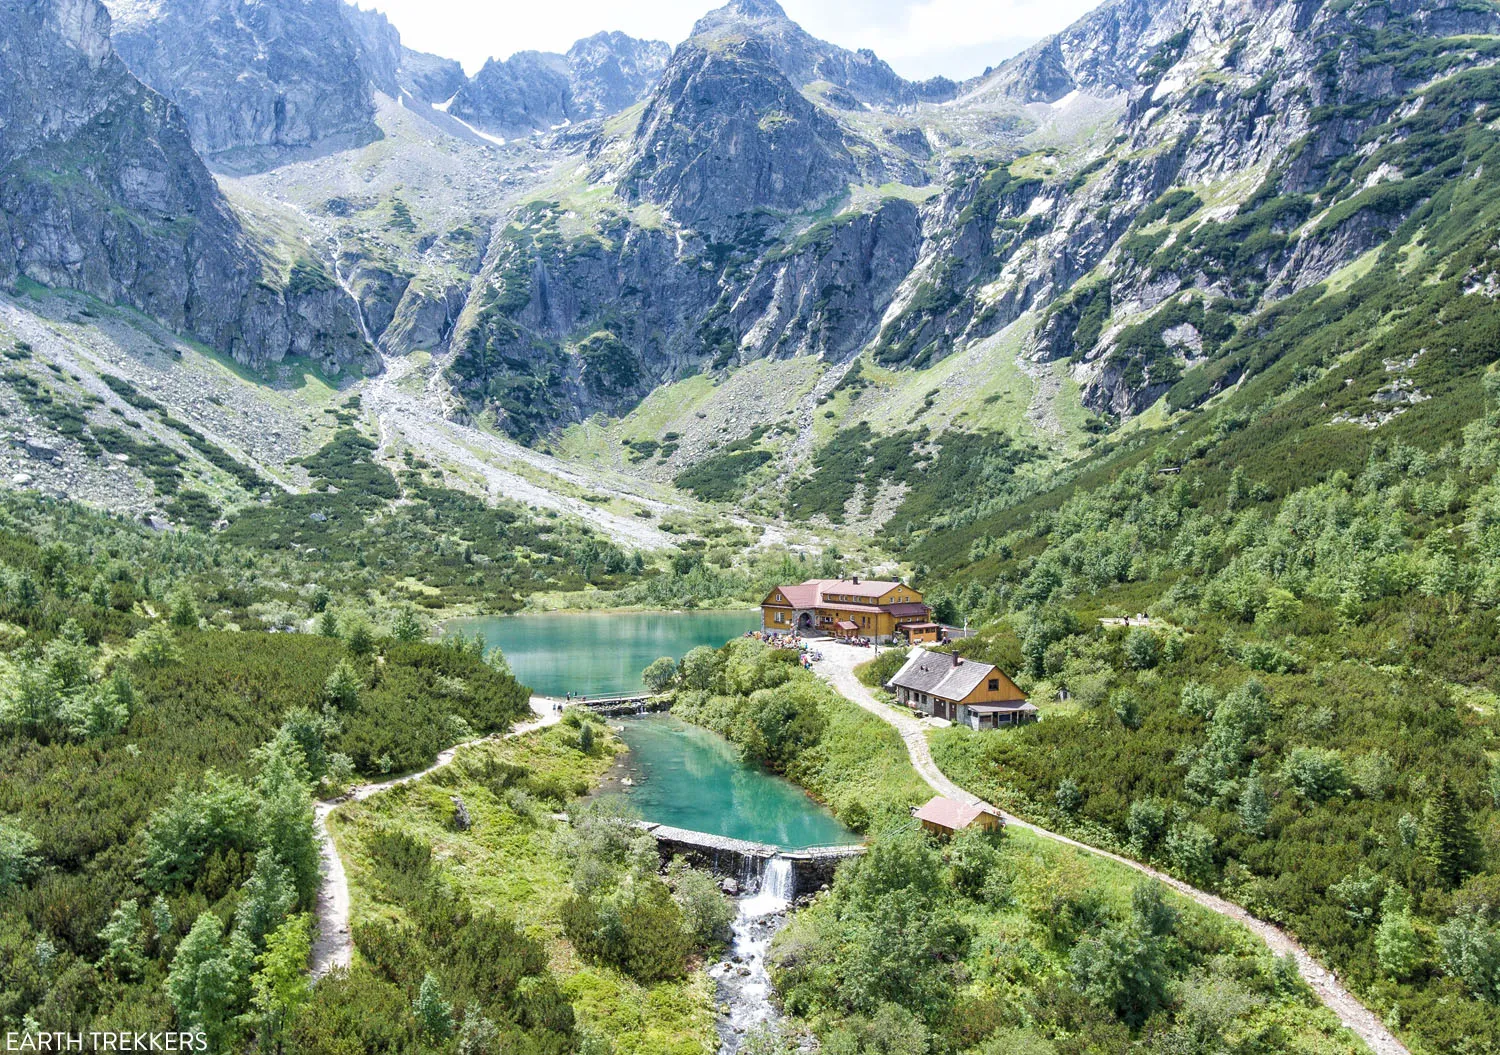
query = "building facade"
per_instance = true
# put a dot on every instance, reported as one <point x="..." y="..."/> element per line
<point x="875" y="609"/>
<point x="963" y="691"/>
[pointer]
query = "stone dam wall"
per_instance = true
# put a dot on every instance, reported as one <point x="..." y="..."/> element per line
<point x="745" y="861"/>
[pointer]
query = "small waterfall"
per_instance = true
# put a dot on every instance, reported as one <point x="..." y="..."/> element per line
<point x="743" y="982"/>
<point x="778" y="878"/>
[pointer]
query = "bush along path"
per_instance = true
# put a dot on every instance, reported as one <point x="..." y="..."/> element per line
<point x="334" y="946"/>
<point x="837" y="667"/>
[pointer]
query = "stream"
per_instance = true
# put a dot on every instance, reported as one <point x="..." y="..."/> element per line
<point x="743" y="986"/>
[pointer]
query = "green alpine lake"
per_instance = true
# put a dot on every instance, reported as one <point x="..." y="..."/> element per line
<point x="688" y="777"/>
<point x="680" y="774"/>
<point x="601" y="653"/>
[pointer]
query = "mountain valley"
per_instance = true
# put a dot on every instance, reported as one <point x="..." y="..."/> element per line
<point x="1161" y="357"/>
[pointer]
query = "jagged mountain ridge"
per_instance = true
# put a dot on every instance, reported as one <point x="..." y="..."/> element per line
<point x="862" y="77"/>
<point x="1262" y="105"/>
<point x="535" y="91"/>
<point x="762" y="163"/>
<point x="103" y="193"/>
<point x="259" y="78"/>
<point x="1223" y="96"/>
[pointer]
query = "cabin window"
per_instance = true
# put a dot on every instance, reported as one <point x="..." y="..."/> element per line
<point x="994" y="684"/>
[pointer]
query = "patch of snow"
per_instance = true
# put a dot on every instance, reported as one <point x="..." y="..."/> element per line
<point x="497" y="140"/>
<point x="1167" y="85"/>
<point x="443" y="106"/>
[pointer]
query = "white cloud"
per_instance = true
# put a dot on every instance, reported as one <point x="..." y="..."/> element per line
<point x="919" y="38"/>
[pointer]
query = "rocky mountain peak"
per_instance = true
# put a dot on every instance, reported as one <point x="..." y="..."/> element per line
<point x="739" y="11"/>
<point x="102" y="192"/>
<point x="805" y="59"/>
<point x="257" y="79"/>
<point x="534" y="91"/>
<point x="767" y="146"/>
<point x="83" y="24"/>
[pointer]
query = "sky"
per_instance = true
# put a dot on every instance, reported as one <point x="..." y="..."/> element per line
<point x="919" y="38"/>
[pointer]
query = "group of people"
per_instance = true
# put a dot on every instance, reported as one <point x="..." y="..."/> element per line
<point x="793" y="640"/>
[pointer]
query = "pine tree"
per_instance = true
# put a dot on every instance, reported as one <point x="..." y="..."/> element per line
<point x="1451" y="846"/>
<point x="434" y="1014"/>
<point x="328" y="623"/>
<point x="360" y="641"/>
<point x="1255" y="807"/>
<point x="407" y="627"/>
<point x="267" y="897"/>
<point x="122" y="940"/>
<point x="341" y="690"/>
<point x="285" y="820"/>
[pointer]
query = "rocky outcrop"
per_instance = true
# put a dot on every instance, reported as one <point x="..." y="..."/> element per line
<point x="610" y="72"/>
<point x="561" y="327"/>
<point x="101" y="191"/>
<point x="1283" y="100"/>
<point x="259" y="79"/>
<point x="805" y="59"/>
<point x="430" y="78"/>
<point x="537" y="91"/>
<point x="1102" y="53"/>
<point x="726" y="134"/>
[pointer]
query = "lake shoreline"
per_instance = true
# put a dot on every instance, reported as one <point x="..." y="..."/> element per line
<point x="711" y="764"/>
<point x="598" y="653"/>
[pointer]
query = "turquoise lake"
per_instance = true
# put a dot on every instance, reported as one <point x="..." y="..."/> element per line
<point x="601" y="653"/>
<point x="688" y="777"/>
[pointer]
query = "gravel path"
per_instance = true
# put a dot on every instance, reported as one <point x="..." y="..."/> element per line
<point x="503" y="465"/>
<point x="838" y="666"/>
<point x="334" y="945"/>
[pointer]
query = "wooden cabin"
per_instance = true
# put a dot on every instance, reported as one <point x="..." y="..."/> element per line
<point x="943" y="816"/>
<point x="963" y="691"/>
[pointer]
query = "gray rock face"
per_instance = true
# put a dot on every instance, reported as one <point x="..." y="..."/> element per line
<point x="535" y="91"/>
<point x="1100" y="53"/>
<point x="430" y="78"/>
<point x="259" y="78"/>
<point x="1283" y="97"/>
<point x="726" y="134"/>
<point x="611" y="72"/>
<point x="560" y="328"/>
<point x="805" y="59"/>
<point x="100" y="191"/>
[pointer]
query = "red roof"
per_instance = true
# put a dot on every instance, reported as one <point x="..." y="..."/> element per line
<point x="844" y="624"/>
<point x="803" y="595"/>
<point x="952" y="814"/>
<point x="810" y="595"/>
<point x="871" y="588"/>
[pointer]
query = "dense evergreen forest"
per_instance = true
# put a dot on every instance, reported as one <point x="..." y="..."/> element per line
<point x="161" y="743"/>
<point x="1309" y="721"/>
<point x="991" y="943"/>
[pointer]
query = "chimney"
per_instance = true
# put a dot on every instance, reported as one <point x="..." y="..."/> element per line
<point x="856" y="580"/>
<point x="956" y="660"/>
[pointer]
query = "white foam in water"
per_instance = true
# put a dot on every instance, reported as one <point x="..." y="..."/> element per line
<point x="775" y="892"/>
<point x="748" y="994"/>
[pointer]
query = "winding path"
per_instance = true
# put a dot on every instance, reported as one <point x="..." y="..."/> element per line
<point x="334" y="945"/>
<point x="837" y="667"/>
